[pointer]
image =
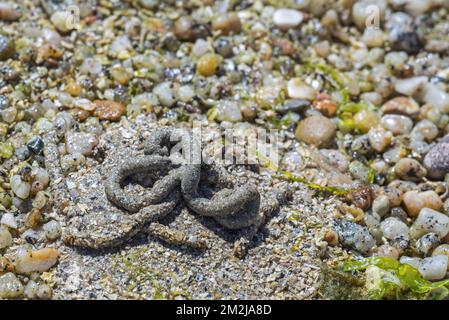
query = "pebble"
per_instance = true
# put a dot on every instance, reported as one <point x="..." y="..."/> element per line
<point x="228" y="23"/>
<point x="427" y="243"/>
<point x="388" y="251"/>
<point x="20" y="188"/>
<point x="409" y="87"/>
<point x="165" y="94"/>
<point x="44" y="292"/>
<point x="381" y="205"/>
<point x="228" y="110"/>
<point x="393" y="228"/>
<point x="434" y="96"/>
<point x="397" y="124"/>
<point x="9" y="220"/>
<point x="80" y="142"/>
<point x="442" y="249"/>
<point x="5" y="238"/>
<point x="336" y="159"/>
<point x="297" y="89"/>
<point x="8" y="12"/>
<point x="60" y="20"/>
<point x="40" y="200"/>
<point x="287" y="18"/>
<point x="30" y="290"/>
<point x="108" y="110"/>
<point x="7" y="49"/>
<point x="293" y="105"/>
<point x="424" y="130"/>
<point x="208" y="64"/>
<point x="52" y="230"/>
<point x="401" y="105"/>
<point x="316" y="130"/>
<point x="379" y="139"/>
<point x="324" y="104"/>
<point x="36" y="261"/>
<point x="36" y="145"/>
<point x="10" y="286"/>
<point x="433" y="268"/>
<point x="430" y="220"/>
<point x="409" y="169"/>
<point x="354" y="235"/>
<point x="364" y="120"/>
<point x="414" y="201"/>
<point x="183" y="28"/>
<point x="436" y="160"/>
<point x="33" y="218"/>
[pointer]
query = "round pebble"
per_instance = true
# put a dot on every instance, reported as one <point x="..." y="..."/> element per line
<point x="414" y="201"/>
<point x="287" y="18"/>
<point x="397" y="124"/>
<point x="316" y="130"/>
<point x="409" y="169"/>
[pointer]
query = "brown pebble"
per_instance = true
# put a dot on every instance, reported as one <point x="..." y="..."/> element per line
<point x="36" y="261"/>
<point x="331" y="237"/>
<point x="183" y="28"/>
<point x="316" y="130"/>
<point x="401" y="105"/>
<point x="414" y="201"/>
<point x="108" y="110"/>
<point x="324" y="104"/>
<point x="286" y="46"/>
<point x="228" y="23"/>
<point x="361" y="197"/>
<point x="34" y="218"/>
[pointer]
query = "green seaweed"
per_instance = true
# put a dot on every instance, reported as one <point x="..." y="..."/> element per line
<point x="412" y="284"/>
<point x="295" y="178"/>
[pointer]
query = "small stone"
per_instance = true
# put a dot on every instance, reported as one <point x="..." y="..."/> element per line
<point x="20" y="188"/>
<point x="427" y="243"/>
<point x="61" y="19"/>
<point x="30" y="290"/>
<point x="353" y="235"/>
<point x="393" y="228"/>
<point x="297" y="89"/>
<point x="366" y="119"/>
<point x="80" y="142"/>
<point x="287" y="18"/>
<point x="40" y="200"/>
<point x="401" y="105"/>
<point x="36" y="261"/>
<point x="108" y="110"/>
<point x="316" y="130"/>
<point x="293" y="105"/>
<point x="336" y="159"/>
<point x="381" y="205"/>
<point x="9" y="220"/>
<point x="6" y="150"/>
<point x="5" y="238"/>
<point x="387" y="251"/>
<point x="33" y="218"/>
<point x="52" y="230"/>
<point x="44" y="292"/>
<point x="36" y="145"/>
<point x="409" y="169"/>
<point x="324" y="104"/>
<point x="379" y="139"/>
<point x="414" y="201"/>
<point x="436" y="160"/>
<point x="228" y="23"/>
<point x="10" y="286"/>
<point x="7" y="48"/>
<point x="433" y="268"/>
<point x="228" y="110"/>
<point x="8" y="12"/>
<point x="208" y="64"/>
<point x="409" y="87"/>
<point x="397" y="124"/>
<point x="183" y="28"/>
<point x="442" y="249"/>
<point x="165" y="94"/>
<point x="430" y="220"/>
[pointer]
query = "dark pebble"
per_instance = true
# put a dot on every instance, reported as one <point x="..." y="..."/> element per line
<point x="36" y="145"/>
<point x="293" y="105"/>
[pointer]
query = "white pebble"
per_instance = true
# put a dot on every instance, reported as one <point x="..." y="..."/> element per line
<point x="297" y="89"/>
<point x="393" y="228"/>
<point x="165" y="94"/>
<point x="430" y="220"/>
<point x="437" y="98"/>
<point x="412" y="261"/>
<point x="30" y="290"/>
<point x="410" y="86"/>
<point x="433" y="268"/>
<point x="228" y="111"/>
<point x="186" y="93"/>
<point x="9" y="220"/>
<point x="287" y="18"/>
<point x="61" y="19"/>
<point x="19" y="187"/>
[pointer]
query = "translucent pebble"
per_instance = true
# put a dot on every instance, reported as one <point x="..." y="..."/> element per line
<point x="5" y="238"/>
<point x="40" y="200"/>
<point x="9" y="220"/>
<point x="52" y="230"/>
<point x="393" y="228"/>
<point x="430" y="220"/>
<point x="433" y="268"/>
